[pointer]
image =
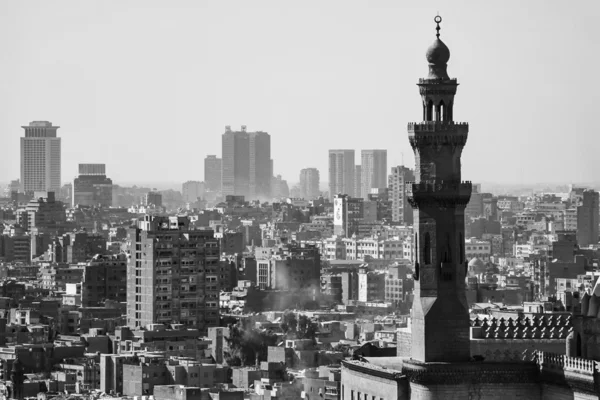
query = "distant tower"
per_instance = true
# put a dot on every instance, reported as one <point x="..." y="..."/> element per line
<point x="374" y="171"/>
<point x="341" y="172"/>
<point x="401" y="210"/>
<point x="440" y="324"/>
<point x="40" y="158"/>
<point x="212" y="173"/>
<point x="309" y="183"/>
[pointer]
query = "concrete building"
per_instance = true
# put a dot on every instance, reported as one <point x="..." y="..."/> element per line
<point x="292" y="268"/>
<point x="43" y="214"/>
<point x="587" y="219"/>
<point x="104" y="278"/>
<point x="212" y="173"/>
<point x="260" y="166"/>
<point x="371" y="285"/>
<point x="172" y="275"/>
<point x="374" y="171"/>
<point x="341" y="172"/>
<point x="353" y="216"/>
<point x="247" y="165"/>
<point x="192" y="190"/>
<point x="40" y="158"/>
<point x="309" y="183"/>
<point x="402" y="211"/>
<point x="357" y="181"/>
<point x="92" y="187"/>
<point x="153" y="198"/>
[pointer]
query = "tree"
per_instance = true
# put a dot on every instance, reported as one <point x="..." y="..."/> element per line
<point x="248" y="345"/>
<point x="289" y="322"/>
<point x="307" y="329"/>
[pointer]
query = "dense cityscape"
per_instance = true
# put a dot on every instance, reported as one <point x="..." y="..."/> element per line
<point x="368" y="281"/>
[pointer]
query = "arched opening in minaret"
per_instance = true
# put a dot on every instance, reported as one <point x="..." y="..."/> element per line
<point x="461" y="247"/>
<point x="442" y="111"/>
<point x="449" y="115"/>
<point x="427" y="249"/>
<point x="447" y="251"/>
<point x="429" y="111"/>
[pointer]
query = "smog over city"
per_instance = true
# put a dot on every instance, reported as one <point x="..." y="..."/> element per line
<point x="340" y="200"/>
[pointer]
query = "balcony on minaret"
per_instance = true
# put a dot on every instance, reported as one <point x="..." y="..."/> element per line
<point x="439" y="193"/>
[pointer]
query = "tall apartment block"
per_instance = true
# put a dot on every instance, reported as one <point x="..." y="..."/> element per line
<point x="374" y="171"/>
<point x="402" y="211"/>
<point x="341" y="172"/>
<point x="309" y="183"/>
<point x="587" y="219"/>
<point x="357" y="181"/>
<point x="260" y="165"/>
<point x="172" y="274"/>
<point x="92" y="187"/>
<point x="212" y="173"/>
<point x="247" y="164"/>
<point x="40" y="158"/>
<point x="192" y="190"/>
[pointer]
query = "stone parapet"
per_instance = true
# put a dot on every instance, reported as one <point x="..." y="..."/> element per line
<point x="439" y="194"/>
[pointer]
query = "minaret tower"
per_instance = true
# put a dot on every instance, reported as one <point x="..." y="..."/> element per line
<point x="440" y="315"/>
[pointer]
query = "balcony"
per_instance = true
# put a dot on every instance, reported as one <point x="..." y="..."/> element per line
<point x="439" y="194"/>
<point x="429" y="133"/>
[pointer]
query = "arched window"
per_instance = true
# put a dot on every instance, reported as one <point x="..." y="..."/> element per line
<point x="442" y="111"/>
<point x="430" y="110"/>
<point x="427" y="249"/>
<point x="448" y="253"/>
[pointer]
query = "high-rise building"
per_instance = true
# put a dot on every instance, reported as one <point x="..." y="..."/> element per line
<point x="587" y="219"/>
<point x="191" y="191"/>
<point x="402" y="211"/>
<point x="247" y="165"/>
<point x="92" y="187"/>
<point x="341" y="172"/>
<point x="236" y="162"/>
<point x="153" y="198"/>
<point x="260" y="166"/>
<point x="40" y="158"/>
<point x="374" y="171"/>
<point x="212" y="173"/>
<point x="173" y="274"/>
<point x="309" y="183"/>
<point x="357" y="181"/>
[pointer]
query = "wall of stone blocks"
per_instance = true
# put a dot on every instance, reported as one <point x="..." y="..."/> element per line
<point x="382" y="389"/>
<point x="529" y="391"/>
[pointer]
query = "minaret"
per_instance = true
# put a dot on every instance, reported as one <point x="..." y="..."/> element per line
<point x="440" y="315"/>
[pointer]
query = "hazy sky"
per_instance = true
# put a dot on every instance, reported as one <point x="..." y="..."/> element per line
<point x="147" y="87"/>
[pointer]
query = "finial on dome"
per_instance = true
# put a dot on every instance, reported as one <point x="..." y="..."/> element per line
<point x="437" y="20"/>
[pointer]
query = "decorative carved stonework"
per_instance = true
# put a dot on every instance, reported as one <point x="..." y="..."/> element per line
<point x="470" y="373"/>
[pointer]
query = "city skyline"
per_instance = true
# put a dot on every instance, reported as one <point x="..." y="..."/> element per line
<point x="106" y="103"/>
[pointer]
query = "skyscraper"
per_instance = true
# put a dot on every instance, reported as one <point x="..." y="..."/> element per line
<point x="587" y="219"/>
<point x="92" y="187"/>
<point x="247" y="164"/>
<point x="236" y="162"/>
<point x="374" y="171"/>
<point x="191" y="191"/>
<point x="212" y="173"/>
<point x="173" y="274"/>
<point x="260" y="165"/>
<point x="309" y="183"/>
<point x="341" y="172"/>
<point x="357" y="181"/>
<point x="402" y="211"/>
<point x="40" y="158"/>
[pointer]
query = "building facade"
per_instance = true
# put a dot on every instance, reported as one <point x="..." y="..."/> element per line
<point x="260" y="166"/>
<point x="374" y="171"/>
<point x="92" y="187"/>
<point x="309" y="183"/>
<point x="402" y="211"/>
<point x="40" y="158"/>
<point x="212" y="173"/>
<point x="341" y="172"/>
<point x="587" y="219"/>
<point x="191" y="191"/>
<point x="172" y="274"/>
